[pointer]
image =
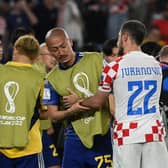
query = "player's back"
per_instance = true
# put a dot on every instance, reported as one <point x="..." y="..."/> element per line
<point x="137" y="90"/>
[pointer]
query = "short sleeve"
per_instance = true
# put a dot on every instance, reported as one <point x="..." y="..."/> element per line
<point x="108" y="75"/>
<point x="50" y="96"/>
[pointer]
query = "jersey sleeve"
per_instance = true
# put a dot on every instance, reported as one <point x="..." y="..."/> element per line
<point x="50" y="96"/>
<point x="108" y="75"/>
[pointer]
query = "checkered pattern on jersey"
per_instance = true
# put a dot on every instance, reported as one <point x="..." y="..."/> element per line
<point x="124" y="130"/>
<point x="156" y="134"/>
<point x="108" y="75"/>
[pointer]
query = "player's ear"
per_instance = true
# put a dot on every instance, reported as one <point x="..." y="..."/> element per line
<point x="125" y="36"/>
<point x="15" y="51"/>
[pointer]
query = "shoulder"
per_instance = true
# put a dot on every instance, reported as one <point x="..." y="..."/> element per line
<point x="93" y="54"/>
<point x="52" y="72"/>
<point x="37" y="73"/>
<point x="39" y="66"/>
<point x="164" y="66"/>
<point x="119" y="59"/>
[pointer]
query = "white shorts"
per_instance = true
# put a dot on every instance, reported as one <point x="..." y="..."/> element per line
<point x="141" y="155"/>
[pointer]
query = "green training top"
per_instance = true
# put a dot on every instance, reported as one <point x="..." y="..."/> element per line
<point x="83" y="78"/>
<point x="19" y="90"/>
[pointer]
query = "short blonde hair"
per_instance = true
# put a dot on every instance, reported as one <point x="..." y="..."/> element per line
<point x="28" y="45"/>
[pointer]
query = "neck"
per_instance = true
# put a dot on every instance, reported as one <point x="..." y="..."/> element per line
<point x="130" y="48"/>
<point x="22" y="59"/>
<point x="71" y="62"/>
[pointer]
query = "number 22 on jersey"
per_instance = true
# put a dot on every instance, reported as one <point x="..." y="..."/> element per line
<point x="138" y="88"/>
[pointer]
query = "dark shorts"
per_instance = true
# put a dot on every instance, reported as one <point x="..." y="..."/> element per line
<point x="76" y="155"/>
<point x="50" y="154"/>
<point x="22" y="162"/>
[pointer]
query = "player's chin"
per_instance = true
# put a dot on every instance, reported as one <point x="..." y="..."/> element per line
<point x="65" y="61"/>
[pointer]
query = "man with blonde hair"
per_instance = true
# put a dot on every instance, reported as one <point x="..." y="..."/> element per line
<point x="20" y="87"/>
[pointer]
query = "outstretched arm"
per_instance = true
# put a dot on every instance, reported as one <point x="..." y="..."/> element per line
<point x="93" y="102"/>
<point x="56" y="114"/>
<point x="96" y="101"/>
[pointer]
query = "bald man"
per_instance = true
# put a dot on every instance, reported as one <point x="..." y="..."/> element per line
<point x="87" y="142"/>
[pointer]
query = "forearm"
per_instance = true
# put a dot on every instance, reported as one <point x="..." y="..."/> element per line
<point x="91" y="103"/>
<point x="96" y="101"/>
<point x="59" y="114"/>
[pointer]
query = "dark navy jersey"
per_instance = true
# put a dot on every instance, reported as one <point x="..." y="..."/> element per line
<point x="164" y="90"/>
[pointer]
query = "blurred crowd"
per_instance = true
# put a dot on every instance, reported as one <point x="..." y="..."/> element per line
<point x="88" y="22"/>
<point x="93" y="25"/>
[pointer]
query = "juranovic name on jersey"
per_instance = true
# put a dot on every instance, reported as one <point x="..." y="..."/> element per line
<point x="132" y="71"/>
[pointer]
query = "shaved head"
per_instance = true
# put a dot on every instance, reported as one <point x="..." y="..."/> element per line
<point x="60" y="46"/>
<point x="56" y="32"/>
<point x="43" y="45"/>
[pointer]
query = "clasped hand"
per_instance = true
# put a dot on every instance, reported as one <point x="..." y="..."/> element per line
<point x="73" y="103"/>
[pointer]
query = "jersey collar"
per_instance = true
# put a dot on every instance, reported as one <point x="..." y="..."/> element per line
<point x="13" y="63"/>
